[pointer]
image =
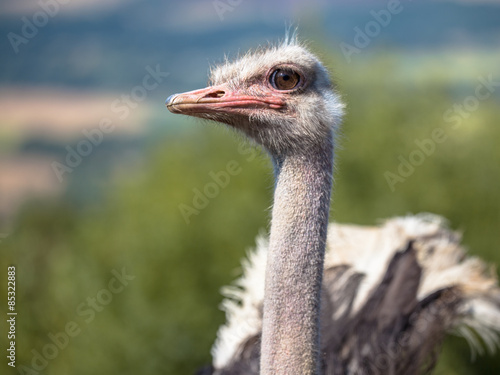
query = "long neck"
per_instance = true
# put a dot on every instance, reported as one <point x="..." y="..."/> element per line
<point x="290" y="332"/>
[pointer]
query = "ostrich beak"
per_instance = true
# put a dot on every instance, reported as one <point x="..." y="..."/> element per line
<point x="217" y="99"/>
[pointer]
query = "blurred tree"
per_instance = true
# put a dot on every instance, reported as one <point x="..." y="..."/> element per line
<point x="166" y="318"/>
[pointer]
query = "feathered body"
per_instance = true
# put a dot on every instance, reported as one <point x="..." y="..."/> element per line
<point x="336" y="299"/>
<point x="390" y="295"/>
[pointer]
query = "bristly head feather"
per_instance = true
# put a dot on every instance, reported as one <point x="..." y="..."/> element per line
<point x="294" y="126"/>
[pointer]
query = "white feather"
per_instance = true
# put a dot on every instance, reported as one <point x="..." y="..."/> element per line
<point x="368" y="250"/>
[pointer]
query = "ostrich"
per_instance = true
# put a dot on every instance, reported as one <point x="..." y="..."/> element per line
<point x="331" y="299"/>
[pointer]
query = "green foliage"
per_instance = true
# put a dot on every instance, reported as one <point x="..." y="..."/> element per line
<point x="165" y="319"/>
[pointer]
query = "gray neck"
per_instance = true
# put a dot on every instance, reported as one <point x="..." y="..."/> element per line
<point x="290" y="332"/>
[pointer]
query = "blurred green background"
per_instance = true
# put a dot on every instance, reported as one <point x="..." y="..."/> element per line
<point x="119" y="209"/>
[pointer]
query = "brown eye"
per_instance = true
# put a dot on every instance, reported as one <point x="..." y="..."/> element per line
<point x="283" y="79"/>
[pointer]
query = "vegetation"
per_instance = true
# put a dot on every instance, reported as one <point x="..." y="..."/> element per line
<point x="165" y="318"/>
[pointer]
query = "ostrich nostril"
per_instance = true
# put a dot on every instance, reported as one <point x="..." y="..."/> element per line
<point x="215" y="94"/>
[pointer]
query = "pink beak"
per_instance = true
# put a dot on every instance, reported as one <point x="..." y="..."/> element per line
<point x="219" y="98"/>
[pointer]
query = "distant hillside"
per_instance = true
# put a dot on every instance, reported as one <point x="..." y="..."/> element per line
<point x="70" y="71"/>
<point x="109" y="49"/>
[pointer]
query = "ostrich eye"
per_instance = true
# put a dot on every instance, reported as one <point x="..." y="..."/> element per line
<point x="282" y="79"/>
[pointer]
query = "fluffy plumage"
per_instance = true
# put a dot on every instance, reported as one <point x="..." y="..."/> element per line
<point x="390" y="294"/>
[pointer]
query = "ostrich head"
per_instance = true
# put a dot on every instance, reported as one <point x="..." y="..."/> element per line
<point x="281" y="97"/>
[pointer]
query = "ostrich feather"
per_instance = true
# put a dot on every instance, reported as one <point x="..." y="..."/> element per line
<point x="356" y="263"/>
